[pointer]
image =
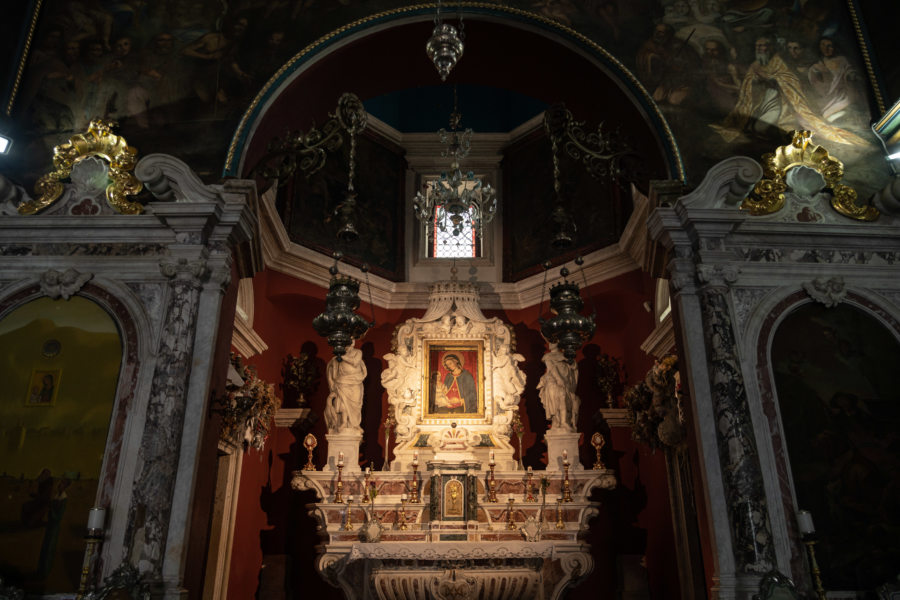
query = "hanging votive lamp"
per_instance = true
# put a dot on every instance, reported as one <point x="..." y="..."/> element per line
<point x="340" y="324"/>
<point x="567" y="328"/>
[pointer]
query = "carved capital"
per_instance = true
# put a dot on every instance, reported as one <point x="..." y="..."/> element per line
<point x="718" y="275"/>
<point x="64" y="285"/>
<point x="183" y="269"/>
<point x="829" y="292"/>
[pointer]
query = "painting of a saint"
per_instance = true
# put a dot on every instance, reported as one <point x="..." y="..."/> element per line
<point x="42" y="388"/>
<point x="454" y="379"/>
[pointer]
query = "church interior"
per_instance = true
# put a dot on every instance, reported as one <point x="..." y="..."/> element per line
<point x="453" y="300"/>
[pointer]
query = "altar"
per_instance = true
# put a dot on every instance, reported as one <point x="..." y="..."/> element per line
<point x="455" y="516"/>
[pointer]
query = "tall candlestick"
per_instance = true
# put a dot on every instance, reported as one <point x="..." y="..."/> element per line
<point x="339" y="484"/>
<point x="401" y="520"/>
<point x="492" y="484"/>
<point x="567" y="487"/>
<point x="559" y="521"/>
<point x="529" y="487"/>
<point x="365" y="494"/>
<point x="510" y="524"/>
<point x="93" y="538"/>
<point x="348" y="526"/>
<point x="414" y="484"/>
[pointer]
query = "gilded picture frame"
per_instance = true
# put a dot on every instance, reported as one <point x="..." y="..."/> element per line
<point x="43" y="387"/>
<point x="453" y="379"/>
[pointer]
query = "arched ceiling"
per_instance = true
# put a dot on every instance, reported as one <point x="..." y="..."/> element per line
<point x="523" y="64"/>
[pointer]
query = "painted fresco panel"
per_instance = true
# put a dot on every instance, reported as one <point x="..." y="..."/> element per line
<point x="731" y="76"/>
<point x="839" y="398"/>
<point x="59" y="364"/>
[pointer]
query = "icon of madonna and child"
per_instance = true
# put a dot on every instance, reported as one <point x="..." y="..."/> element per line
<point x="454" y="380"/>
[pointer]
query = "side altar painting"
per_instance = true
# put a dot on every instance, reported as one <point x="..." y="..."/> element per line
<point x="731" y="77"/>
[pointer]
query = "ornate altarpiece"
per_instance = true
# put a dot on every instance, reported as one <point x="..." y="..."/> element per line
<point x="445" y="522"/>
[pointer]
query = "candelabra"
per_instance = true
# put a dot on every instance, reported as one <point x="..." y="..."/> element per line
<point x="559" y="521"/>
<point x="598" y="441"/>
<point x="401" y="518"/>
<point x="529" y="487"/>
<point x="567" y="488"/>
<point x="365" y="494"/>
<point x="492" y="483"/>
<point x="339" y="484"/>
<point x="414" y="484"/>
<point x="309" y="442"/>
<point x="93" y="538"/>
<point x="348" y="526"/>
<point x="510" y="524"/>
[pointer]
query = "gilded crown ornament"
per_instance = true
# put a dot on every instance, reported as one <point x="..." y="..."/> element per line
<point x="806" y="169"/>
<point x="100" y="141"/>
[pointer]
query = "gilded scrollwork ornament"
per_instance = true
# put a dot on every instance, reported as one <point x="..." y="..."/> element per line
<point x="100" y="141"/>
<point x="806" y="169"/>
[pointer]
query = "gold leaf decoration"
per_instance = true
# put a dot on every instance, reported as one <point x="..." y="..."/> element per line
<point x="767" y="196"/>
<point x="98" y="140"/>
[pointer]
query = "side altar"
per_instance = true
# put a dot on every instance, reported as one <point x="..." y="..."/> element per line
<point x="455" y="516"/>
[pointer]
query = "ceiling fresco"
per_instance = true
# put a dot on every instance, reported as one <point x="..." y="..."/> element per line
<point x="728" y="76"/>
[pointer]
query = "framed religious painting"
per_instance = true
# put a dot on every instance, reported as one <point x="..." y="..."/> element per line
<point x="43" y="387"/>
<point x="453" y="383"/>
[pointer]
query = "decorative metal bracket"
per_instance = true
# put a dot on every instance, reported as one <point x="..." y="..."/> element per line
<point x="98" y="140"/>
<point x="308" y="151"/>
<point x="603" y="153"/>
<point x="806" y="169"/>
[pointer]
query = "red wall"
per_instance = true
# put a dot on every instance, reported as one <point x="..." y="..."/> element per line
<point x="272" y="520"/>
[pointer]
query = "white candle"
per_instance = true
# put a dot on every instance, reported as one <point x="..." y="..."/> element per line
<point x="96" y="518"/>
<point x="530" y="471"/>
<point x="403" y="496"/>
<point x="341" y="456"/>
<point x="511" y="498"/>
<point x="368" y="470"/>
<point x="492" y="455"/>
<point x="349" y="499"/>
<point x="565" y="454"/>
<point x="805" y="521"/>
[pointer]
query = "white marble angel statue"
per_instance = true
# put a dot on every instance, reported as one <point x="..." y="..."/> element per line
<point x="557" y="391"/>
<point x="343" y="407"/>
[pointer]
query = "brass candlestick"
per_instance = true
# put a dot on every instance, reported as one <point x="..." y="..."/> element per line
<point x="93" y="538"/>
<point x="567" y="488"/>
<point x="492" y="484"/>
<point x="401" y="519"/>
<point x="339" y="484"/>
<point x="817" y="574"/>
<point x="598" y="441"/>
<point x="348" y="526"/>
<point x="414" y="484"/>
<point x="309" y="442"/>
<point x="529" y="487"/>
<point x="559" y="522"/>
<point x="365" y="498"/>
<point x="510" y="524"/>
